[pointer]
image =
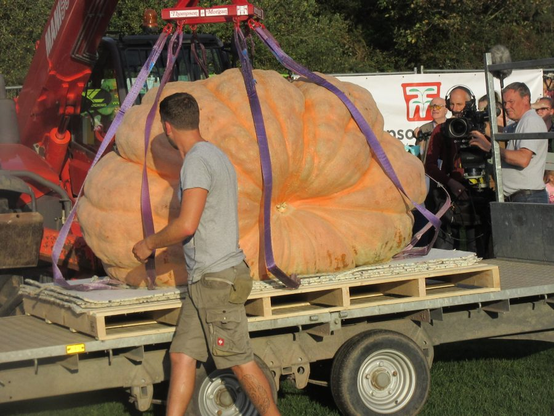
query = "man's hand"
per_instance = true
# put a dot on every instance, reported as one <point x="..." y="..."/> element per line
<point x="179" y="229"/>
<point x="457" y="189"/>
<point x="142" y="251"/>
<point x="520" y="157"/>
<point x="480" y="140"/>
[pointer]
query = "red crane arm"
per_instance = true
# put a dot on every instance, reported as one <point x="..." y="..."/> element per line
<point x="61" y="65"/>
<point x="66" y="52"/>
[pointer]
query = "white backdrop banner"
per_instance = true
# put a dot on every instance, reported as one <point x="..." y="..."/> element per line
<point x="404" y="99"/>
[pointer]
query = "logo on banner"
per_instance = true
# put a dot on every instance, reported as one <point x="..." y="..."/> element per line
<point x="418" y="96"/>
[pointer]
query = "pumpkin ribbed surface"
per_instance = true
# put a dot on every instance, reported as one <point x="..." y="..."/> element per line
<point x="333" y="208"/>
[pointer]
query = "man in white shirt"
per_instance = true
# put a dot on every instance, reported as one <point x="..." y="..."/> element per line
<point x="523" y="161"/>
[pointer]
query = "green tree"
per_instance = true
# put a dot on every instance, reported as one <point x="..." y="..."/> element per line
<point x="316" y="37"/>
<point x="22" y="25"/>
<point x="456" y="33"/>
<point x="338" y="36"/>
<point x="451" y="34"/>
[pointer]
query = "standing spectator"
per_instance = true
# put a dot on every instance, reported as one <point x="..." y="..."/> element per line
<point x="468" y="228"/>
<point x="543" y="107"/>
<point x="549" y="181"/>
<point x="423" y="133"/>
<point x="483" y="103"/>
<point x="523" y="161"/>
<point x="443" y="162"/>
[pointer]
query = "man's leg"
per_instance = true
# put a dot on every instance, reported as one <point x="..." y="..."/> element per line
<point x="181" y="383"/>
<point x="253" y="381"/>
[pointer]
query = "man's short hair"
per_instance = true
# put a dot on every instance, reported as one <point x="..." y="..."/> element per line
<point x="486" y="98"/>
<point x="181" y="111"/>
<point x="521" y="88"/>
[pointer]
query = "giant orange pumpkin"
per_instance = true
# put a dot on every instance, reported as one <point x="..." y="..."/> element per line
<point x="332" y="209"/>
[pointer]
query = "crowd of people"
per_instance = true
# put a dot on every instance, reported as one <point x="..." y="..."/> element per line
<point x="462" y="163"/>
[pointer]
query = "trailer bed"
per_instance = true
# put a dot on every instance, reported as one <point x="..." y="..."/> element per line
<point x="31" y="338"/>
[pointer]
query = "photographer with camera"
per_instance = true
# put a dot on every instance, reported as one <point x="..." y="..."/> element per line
<point x="462" y="170"/>
<point x="443" y="162"/>
<point x="523" y="161"/>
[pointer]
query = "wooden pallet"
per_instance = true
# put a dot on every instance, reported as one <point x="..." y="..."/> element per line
<point x="374" y="291"/>
<point x="313" y="297"/>
<point x="110" y="322"/>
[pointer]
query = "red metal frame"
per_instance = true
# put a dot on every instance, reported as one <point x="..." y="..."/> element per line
<point x="187" y="12"/>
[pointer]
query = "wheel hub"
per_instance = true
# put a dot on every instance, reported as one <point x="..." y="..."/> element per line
<point x="386" y="381"/>
<point x="223" y="397"/>
<point x="380" y="379"/>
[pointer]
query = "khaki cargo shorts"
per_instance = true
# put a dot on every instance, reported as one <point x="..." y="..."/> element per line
<point x="213" y="319"/>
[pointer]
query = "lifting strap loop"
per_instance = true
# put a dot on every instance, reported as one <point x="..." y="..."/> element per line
<point x="291" y="281"/>
<point x="127" y="103"/>
<point x="145" y="205"/>
<point x="372" y="140"/>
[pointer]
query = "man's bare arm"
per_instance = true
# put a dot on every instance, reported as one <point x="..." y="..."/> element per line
<point x="182" y="227"/>
<point x="520" y="157"/>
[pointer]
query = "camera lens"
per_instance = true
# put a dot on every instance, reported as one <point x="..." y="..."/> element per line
<point x="458" y="128"/>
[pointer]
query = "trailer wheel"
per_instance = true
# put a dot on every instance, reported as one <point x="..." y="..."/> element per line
<point x="380" y="373"/>
<point x="218" y="392"/>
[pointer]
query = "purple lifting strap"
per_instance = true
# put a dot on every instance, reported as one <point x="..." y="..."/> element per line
<point x="127" y="103"/>
<point x="291" y="281"/>
<point x="145" y="205"/>
<point x="374" y="144"/>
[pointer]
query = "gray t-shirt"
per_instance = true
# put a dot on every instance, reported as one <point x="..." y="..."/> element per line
<point x="215" y="244"/>
<point x="515" y="178"/>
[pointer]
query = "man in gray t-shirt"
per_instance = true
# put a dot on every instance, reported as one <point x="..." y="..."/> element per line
<point x="523" y="161"/>
<point x="214" y="246"/>
<point x="213" y="318"/>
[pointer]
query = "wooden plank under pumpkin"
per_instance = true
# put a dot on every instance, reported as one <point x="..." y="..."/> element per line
<point x="101" y="322"/>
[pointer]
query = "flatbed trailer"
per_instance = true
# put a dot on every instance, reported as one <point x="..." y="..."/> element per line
<point x="381" y="353"/>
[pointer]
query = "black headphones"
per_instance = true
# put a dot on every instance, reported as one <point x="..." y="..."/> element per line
<point x="471" y="105"/>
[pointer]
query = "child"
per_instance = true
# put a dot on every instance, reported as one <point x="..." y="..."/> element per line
<point x="549" y="181"/>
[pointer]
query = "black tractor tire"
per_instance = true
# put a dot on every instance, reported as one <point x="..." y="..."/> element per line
<point x="380" y="373"/>
<point x="218" y="392"/>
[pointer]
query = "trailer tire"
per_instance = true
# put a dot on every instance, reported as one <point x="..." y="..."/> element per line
<point x="380" y="372"/>
<point x="219" y="392"/>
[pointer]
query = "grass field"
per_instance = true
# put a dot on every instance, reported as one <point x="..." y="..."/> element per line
<point x="474" y="378"/>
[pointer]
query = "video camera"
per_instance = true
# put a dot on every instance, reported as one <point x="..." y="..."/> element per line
<point x="459" y="129"/>
<point x="473" y="159"/>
